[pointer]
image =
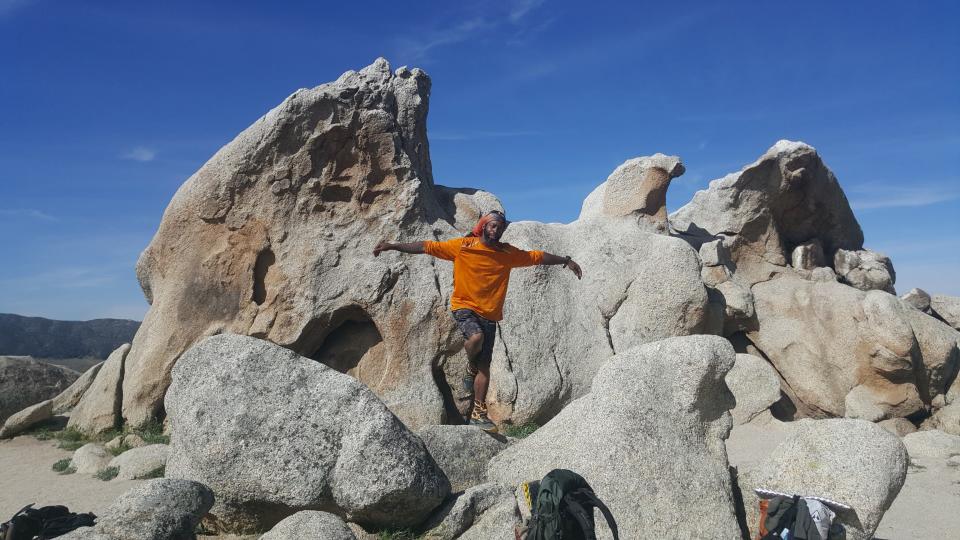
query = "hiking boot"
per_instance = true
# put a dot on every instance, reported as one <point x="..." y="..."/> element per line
<point x="479" y="418"/>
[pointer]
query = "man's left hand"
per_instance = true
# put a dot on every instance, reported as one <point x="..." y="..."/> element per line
<point x="575" y="268"/>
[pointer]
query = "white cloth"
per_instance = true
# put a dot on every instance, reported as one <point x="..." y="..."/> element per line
<point x="821" y="515"/>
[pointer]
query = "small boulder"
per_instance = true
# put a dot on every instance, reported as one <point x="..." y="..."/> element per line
<point x="865" y="269"/>
<point x="640" y="185"/>
<point x="901" y="427"/>
<point x="853" y="462"/>
<point x="91" y="458"/>
<point x="932" y="443"/>
<point x="161" y="509"/>
<point x="310" y="524"/>
<point x="464" y="511"/>
<point x="754" y="384"/>
<point x="917" y="299"/>
<point x="946" y="308"/>
<point x="463" y="452"/>
<point x="808" y="255"/>
<point x="23" y="420"/>
<point x="946" y="419"/>
<point x="141" y="462"/>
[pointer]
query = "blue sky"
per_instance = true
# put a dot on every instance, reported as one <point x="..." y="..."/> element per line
<point x="107" y="107"/>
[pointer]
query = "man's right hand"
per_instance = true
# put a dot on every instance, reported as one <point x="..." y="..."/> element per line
<point x="382" y="246"/>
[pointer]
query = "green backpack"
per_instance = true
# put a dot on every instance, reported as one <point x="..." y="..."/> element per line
<point x="562" y="509"/>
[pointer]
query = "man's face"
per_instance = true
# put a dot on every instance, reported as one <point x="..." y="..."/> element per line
<point x="493" y="229"/>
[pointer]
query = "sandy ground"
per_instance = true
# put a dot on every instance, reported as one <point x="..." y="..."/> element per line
<point x="928" y="506"/>
<point x="27" y="478"/>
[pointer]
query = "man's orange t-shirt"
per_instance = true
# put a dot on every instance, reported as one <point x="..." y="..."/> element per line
<point x="481" y="273"/>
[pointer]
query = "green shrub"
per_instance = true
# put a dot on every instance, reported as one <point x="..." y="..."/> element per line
<point x="70" y="445"/>
<point x="117" y="450"/>
<point x="156" y="473"/>
<point x="62" y="466"/>
<point x="518" y="431"/>
<point x="107" y="474"/>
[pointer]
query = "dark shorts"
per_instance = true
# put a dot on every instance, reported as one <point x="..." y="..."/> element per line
<point x="470" y="323"/>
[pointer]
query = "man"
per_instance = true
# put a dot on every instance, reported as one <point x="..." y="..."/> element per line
<point x="481" y="272"/>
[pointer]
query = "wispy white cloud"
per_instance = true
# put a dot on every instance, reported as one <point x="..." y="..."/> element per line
<point x="416" y="50"/>
<point x="472" y="135"/>
<point x="141" y="153"/>
<point x="521" y="7"/>
<point x="31" y="213"/>
<point x="896" y="197"/>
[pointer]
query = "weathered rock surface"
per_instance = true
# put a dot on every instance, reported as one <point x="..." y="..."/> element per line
<point x="638" y="287"/>
<point x="854" y="462"/>
<point x="160" y="509"/>
<point x="826" y="339"/>
<point x="462" y="452"/>
<point x="90" y="458"/>
<point x="786" y="198"/>
<point x="467" y="511"/>
<point x="310" y="524"/>
<point x="947" y="308"/>
<point x="99" y="408"/>
<point x="755" y="386"/>
<point x="939" y="355"/>
<point x="273" y="433"/>
<point x="901" y="427"/>
<point x="69" y="398"/>
<point x="865" y="269"/>
<point x="649" y="438"/>
<point x="638" y="186"/>
<point x="25" y="382"/>
<point x="272" y="238"/>
<point x="23" y="420"/>
<point x="932" y="443"/>
<point x="917" y="299"/>
<point x="141" y="462"/>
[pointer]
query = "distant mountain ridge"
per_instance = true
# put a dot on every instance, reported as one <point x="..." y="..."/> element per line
<point x="46" y="338"/>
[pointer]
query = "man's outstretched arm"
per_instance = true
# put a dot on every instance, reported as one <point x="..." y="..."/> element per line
<point x="567" y="262"/>
<point x="407" y="247"/>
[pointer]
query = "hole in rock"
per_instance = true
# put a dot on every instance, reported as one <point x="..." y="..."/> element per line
<point x="336" y="194"/>
<point x="353" y="345"/>
<point x="265" y="260"/>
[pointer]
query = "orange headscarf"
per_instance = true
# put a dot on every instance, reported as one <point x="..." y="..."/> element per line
<point x="487" y="218"/>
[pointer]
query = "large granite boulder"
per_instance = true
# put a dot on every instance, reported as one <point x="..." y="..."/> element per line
<point x="648" y="437"/>
<point x="25" y="382"/>
<point x="272" y="238"/>
<point x="827" y="340"/>
<point x="462" y="452"/>
<point x="946" y="419"/>
<point x="273" y="433"/>
<point x="918" y="299"/>
<point x="939" y="355"/>
<point x="160" y="509"/>
<point x="98" y="410"/>
<point x="637" y="287"/>
<point x="786" y="198"/>
<point x="853" y="462"/>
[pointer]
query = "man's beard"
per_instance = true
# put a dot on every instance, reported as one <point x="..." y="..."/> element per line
<point x="487" y="237"/>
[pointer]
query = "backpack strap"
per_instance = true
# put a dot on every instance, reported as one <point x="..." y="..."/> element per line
<point x="591" y="498"/>
<point x="579" y="513"/>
